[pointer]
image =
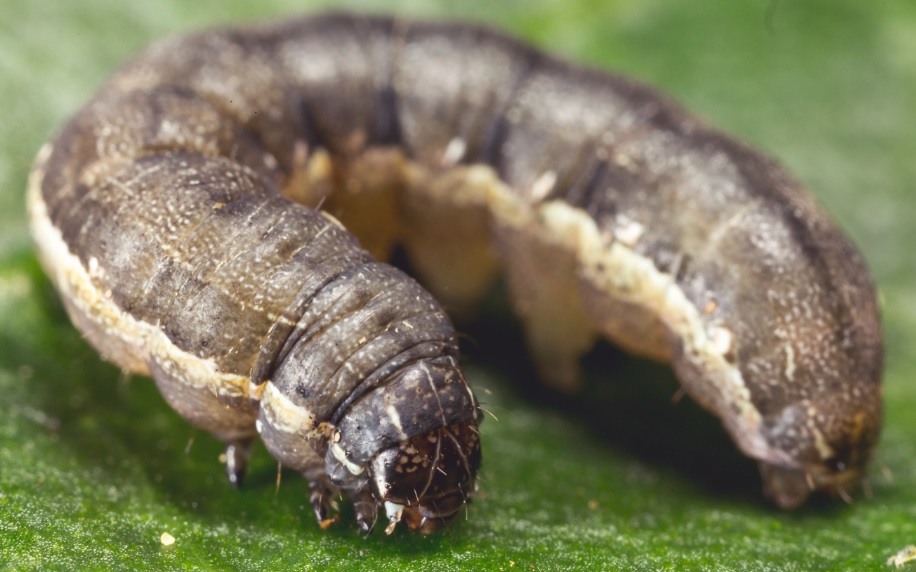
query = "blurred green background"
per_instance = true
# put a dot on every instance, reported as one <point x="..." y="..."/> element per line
<point x="94" y="466"/>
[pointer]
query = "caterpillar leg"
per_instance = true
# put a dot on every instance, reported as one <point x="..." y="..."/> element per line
<point x="542" y="277"/>
<point x="323" y="498"/>
<point x="447" y="236"/>
<point x="238" y="451"/>
<point x="365" y="507"/>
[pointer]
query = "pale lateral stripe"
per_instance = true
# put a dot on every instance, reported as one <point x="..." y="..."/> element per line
<point x="284" y="415"/>
<point x="625" y="275"/>
<point x="143" y="340"/>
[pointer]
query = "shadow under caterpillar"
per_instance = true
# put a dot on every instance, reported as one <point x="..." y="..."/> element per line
<point x="170" y="212"/>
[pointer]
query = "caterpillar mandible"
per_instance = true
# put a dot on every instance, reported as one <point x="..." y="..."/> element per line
<point x="176" y="214"/>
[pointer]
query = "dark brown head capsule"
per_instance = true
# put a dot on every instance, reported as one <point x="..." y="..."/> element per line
<point x="428" y="479"/>
<point x="411" y="446"/>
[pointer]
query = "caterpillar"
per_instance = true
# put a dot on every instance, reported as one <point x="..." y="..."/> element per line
<point x="199" y="217"/>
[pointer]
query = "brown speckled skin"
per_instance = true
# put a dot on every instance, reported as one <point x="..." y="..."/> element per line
<point x="170" y="180"/>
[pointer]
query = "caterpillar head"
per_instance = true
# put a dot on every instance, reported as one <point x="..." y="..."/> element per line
<point x="426" y="480"/>
<point x="829" y="446"/>
<point x="410" y="446"/>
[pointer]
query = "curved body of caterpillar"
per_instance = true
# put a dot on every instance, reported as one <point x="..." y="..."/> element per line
<point x="169" y="213"/>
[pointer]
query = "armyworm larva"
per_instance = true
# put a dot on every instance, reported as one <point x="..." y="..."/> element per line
<point x="171" y="213"/>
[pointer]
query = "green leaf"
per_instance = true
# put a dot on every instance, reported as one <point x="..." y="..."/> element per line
<point x="94" y="467"/>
